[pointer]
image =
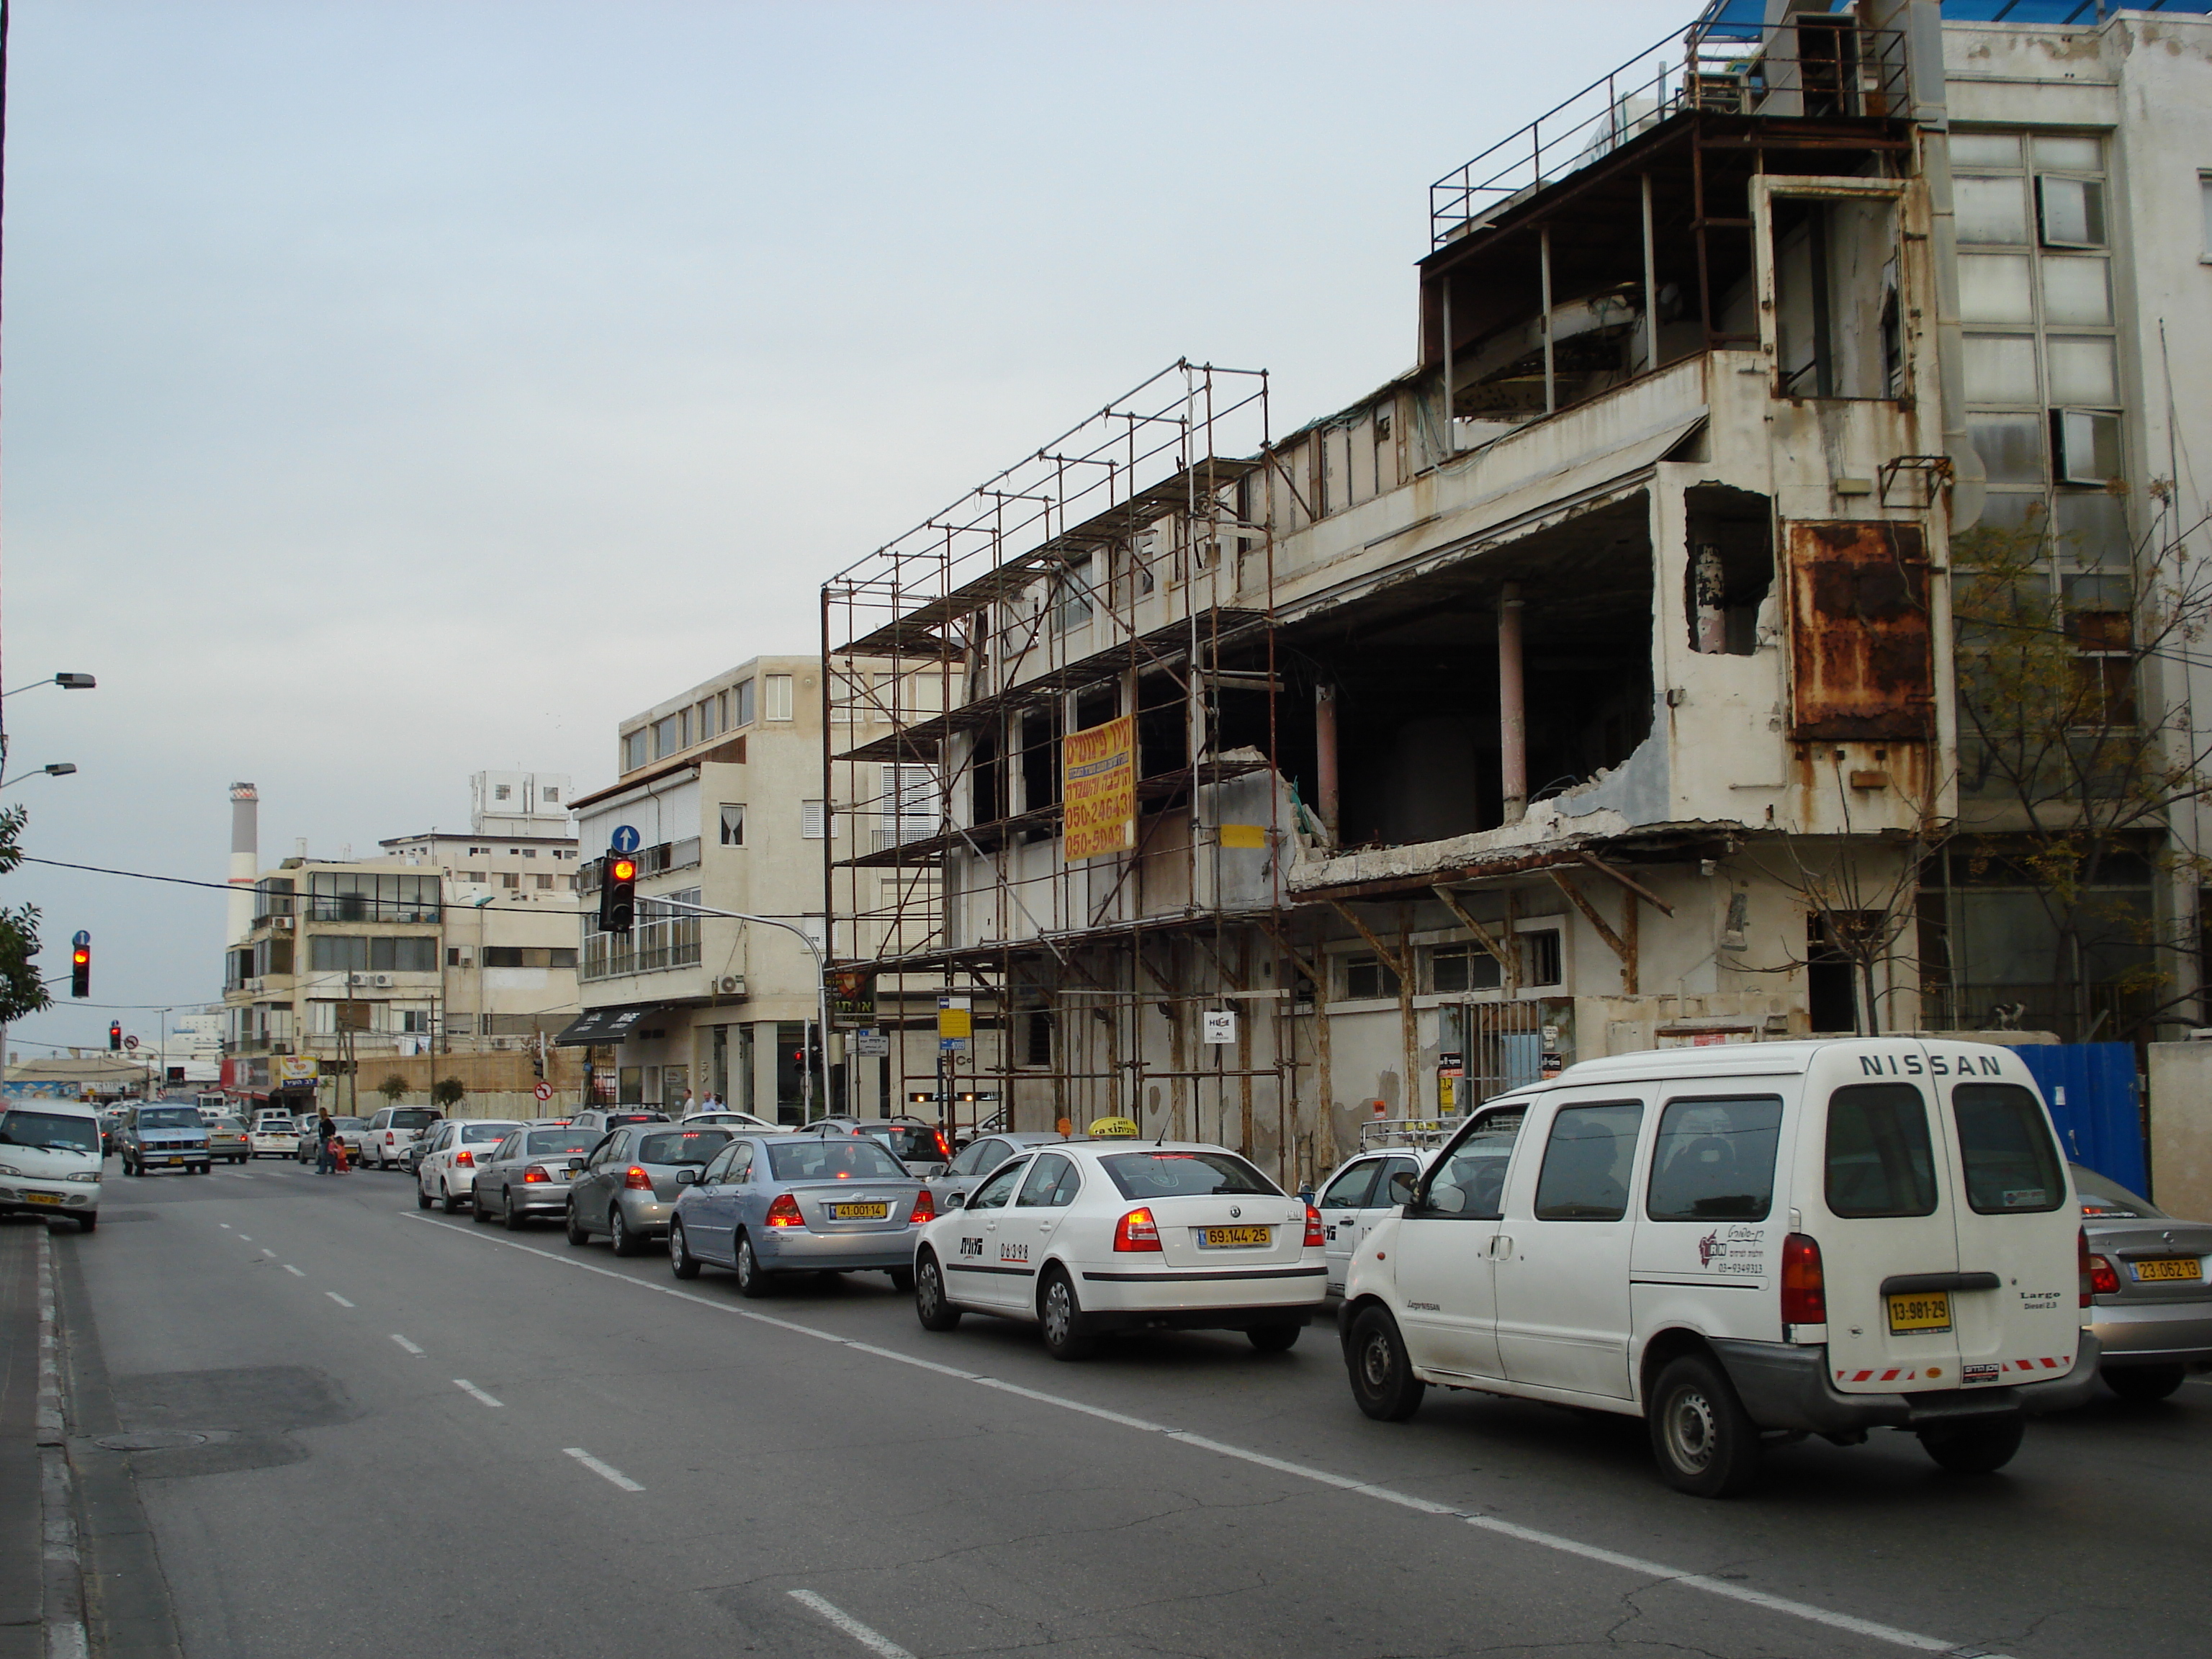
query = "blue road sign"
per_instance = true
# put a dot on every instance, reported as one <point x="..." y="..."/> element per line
<point x="624" y="839"/>
<point x="82" y="938"/>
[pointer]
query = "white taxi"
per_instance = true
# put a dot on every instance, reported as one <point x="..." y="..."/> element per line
<point x="1089" y="1237"/>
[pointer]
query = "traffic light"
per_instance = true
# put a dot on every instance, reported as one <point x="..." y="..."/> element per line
<point x="81" y="971"/>
<point x="618" y="893"/>
<point x="115" y="1035"/>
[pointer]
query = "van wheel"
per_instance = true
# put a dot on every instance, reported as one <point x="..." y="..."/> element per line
<point x="1382" y="1380"/>
<point x="1706" y="1444"/>
<point x="2145" y="1383"/>
<point x="930" y="1306"/>
<point x="1275" y="1339"/>
<point x="1982" y="1449"/>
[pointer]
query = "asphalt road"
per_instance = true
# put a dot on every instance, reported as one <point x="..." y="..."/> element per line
<point x="426" y="1436"/>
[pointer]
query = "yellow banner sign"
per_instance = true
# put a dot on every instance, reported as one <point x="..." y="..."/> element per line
<point x="1098" y="772"/>
<point x="297" y="1068"/>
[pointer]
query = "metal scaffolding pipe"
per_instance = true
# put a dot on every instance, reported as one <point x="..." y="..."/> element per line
<point x="1325" y="771"/>
<point x="1512" y="707"/>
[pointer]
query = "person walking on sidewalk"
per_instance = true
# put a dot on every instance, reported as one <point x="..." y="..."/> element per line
<point x="325" y="1131"/>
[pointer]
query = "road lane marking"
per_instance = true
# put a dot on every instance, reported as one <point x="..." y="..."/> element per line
<point x="241" y="1175"/>
<point x="1638" y="1564"/>
<point x="335" y="1297"/>
<point x="605" y="1470"/>
<point x="246" y="1238"/>
<point x="476" y="1393"/>
<point x="875" y="1641"/>
<point x="225" y="1226"/>
<point x="406" y="1344"/>
<point x="293" y="1271"/>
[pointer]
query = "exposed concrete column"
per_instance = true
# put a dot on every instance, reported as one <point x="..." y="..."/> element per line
<point x="1325" y="773"/>
<point x="245" y="857"/>
<point x="1709" y="590"/>
<point x="1512" y="707"/>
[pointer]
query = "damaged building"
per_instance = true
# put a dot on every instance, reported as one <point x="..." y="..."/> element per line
<point x="1521" y="711"/>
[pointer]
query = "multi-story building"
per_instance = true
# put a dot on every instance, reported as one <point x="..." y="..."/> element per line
<point x="722" y="788"/>
<point x="1593" y="684"/>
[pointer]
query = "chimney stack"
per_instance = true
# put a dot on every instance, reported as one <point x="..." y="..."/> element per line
<point x="244" y="856"/>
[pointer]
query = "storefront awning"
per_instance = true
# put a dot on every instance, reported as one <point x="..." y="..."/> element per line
<point x="600" y="1027"/>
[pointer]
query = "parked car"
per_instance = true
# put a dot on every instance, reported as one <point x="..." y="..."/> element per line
<point x="311" y="1149"/>
<point x="770" y="1205"/>
<point x="723" y="1117"/>
<point x="2150" y="1301"/>
<point x="1364" y="1188"/>
<point x="1823" y="1237"/>
<point x="274" y="1134"/>
<point x="392" y="1131"/>
<point x="1091" y="1236"/>
<point x="445" y="1166"/>
<point x="111" y="1120"/>
<point x="920" y="1146"/>
<point x="527" y="1174"/>
<point x="162" y="1137"/>
<point x="976" y="1160"/>
<point x="50" y="1161"/>
<point x="628" y="1187"/>
<point x="601" y="1119"/>
<point x="227" y="1139"/>
<point x="353" y="1135"/>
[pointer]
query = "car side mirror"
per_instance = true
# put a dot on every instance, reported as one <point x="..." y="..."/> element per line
<point x="575" y="1166"/>
<point x="956" y="1201"/>
<point x="933" y="1171"/>
<point x="685" y="1178"/>
<point x="1401" y="1188"/>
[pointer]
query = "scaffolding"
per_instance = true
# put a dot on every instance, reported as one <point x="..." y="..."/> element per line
<point x="1123" y="572"/>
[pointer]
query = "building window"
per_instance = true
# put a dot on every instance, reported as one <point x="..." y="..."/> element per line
<point x="338" y="953"/>
<point x="742" y="696"/>
<point x="1036" y="1037"/>
<point x="502" y="792"/>
<point x="812" y="820"/>
<point x="1367" y="978"/>
<point x="453" y="955"/>
<point x="510" y="879"/>
<point x="341" y="896"/>
<point x="545" y="883"/>
<point x="633" y="753"/>
<point x="1540" y="952"/>
<point x="1072" y="605"/>
<point x="665" y="738"/>
<point x="777" y="697"/>
<point x="734" y="824"/>
<point x="528" y="955"/>
<point x="1454" y="968"/>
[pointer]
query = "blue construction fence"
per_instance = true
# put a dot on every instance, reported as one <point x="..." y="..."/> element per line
<point x="2096" y="1103"/>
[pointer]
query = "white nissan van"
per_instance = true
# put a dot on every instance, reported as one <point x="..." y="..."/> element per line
<point x="1762" y="1240"/>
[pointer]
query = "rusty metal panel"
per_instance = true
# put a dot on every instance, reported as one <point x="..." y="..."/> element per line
<point x="1860" y="668"/>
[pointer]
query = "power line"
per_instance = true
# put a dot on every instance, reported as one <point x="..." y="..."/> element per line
<point x="225" y="887"/>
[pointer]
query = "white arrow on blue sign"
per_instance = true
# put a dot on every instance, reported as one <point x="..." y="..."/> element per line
<point x="624" y="839"/>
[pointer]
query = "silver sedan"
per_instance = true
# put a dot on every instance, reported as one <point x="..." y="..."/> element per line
<point x="627" y="1188"/>
<point x="835" y="1202"/>
<point x="977" y="1159"/>
<point x="2151" y="1304"/>
<point x="526" y="1174"/>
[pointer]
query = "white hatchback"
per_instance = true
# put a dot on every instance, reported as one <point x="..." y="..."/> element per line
<point x="446" y="1173"/>
<point x="1089" y="1236"/>
<point x="274" y="1134"/>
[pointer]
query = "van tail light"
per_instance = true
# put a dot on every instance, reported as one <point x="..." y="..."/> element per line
<point x="466" y="1157"/>
<point x="925" y="1209"/>
<point x="1804" y="1287"/>
<point x="784" y="1212"/>
<point x="2089" y="1265"/>
<point x="1314" y="1240"/>
<point x="635" y="1180"/>
<point x="536" y="1175"/>
<point x="1137" y="1230"/>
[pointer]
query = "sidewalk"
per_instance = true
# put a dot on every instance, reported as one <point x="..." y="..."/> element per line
<point x="22" y="1517"/>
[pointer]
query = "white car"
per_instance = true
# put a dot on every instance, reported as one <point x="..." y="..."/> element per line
<point x="722" y="1117"/>
<point x="1088" y="1236"/>
<point x="274" y="1134"/>
<point x="392" y="1131"/>
<point x="1791" y="1238"/>
<point x="50" y="1161"/>
<point x="445" y="1171"/>
<point x="1365" y="1188"/>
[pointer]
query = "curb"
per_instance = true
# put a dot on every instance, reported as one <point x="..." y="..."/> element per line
<point x="62" y="1567"/>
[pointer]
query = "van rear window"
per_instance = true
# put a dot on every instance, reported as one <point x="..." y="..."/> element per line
<point x="1880" y="1162"/>
<point x="1715" y="1160"/>
<point x="2012" y="1168"/>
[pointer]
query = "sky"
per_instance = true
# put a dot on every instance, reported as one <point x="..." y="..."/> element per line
<point x="393" y="390"/>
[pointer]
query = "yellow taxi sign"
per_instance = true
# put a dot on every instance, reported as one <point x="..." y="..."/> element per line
<point x="1112" y="1128"/>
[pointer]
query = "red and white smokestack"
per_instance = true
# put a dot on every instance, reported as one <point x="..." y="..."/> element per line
<point x="244" y="856"/>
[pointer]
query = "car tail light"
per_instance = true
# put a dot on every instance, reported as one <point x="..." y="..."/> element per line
<point x="465" y="1157"/>
<point x="2104" y="1278"/>
<point x="925" y="1209"/>
<point x="1804" y="1287"/>
<point x="1137" y="1230"/>
<point x="635" y="1179"/>
<point x="535" y="1175"/>
<point x="2088" y="1264"/>
<point x="784" y="1212"/>
<point x="1314" y="1240"/>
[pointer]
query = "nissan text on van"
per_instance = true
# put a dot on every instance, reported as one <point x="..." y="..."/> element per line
<point x="1744" y="1243"/>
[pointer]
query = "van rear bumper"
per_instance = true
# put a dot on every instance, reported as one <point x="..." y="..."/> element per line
<point x="1785" y="1386"/>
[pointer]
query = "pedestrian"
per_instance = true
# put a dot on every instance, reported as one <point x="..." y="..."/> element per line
<point x="325" y="1132"/>
<point x="712" y="1104"/>
<point x="686" y="1108"/>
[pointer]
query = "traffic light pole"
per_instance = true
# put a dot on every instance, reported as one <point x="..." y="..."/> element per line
<point x="821" y="975"/>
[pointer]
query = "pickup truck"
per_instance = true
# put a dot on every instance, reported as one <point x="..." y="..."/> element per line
<point x="166" y="1135"/>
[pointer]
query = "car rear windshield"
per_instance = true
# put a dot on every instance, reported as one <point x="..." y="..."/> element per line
<point x="347" y="1122"/>
<point x="853" y="1159"/>
<point x="229" y="1125"/>
<point x="57" y="1132"/>
<point x="485" y="1131"/>
<point x="1880" y="1162"/>
<point x="414" y="1118"/>
<point x="2012" y="1168"/>
<point x="2101" y="1195"/>
<point x="1184" y="1175"/>
<point x="561" y="1140"/>
<point x="168" y="1117"/>
<point x="914" y="1140"/>
<point x="682" y="1145"/>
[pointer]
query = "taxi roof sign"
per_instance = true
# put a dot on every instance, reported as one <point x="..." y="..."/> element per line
<point x="1112" y="1128"/>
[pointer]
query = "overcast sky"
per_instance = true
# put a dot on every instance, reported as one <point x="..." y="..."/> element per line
<point x="393" y="390"/>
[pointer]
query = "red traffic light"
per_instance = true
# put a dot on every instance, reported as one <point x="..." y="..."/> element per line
<point x="81" y="971"/>
<point x="622" y="869"/>
<point x="115" y="1034"/>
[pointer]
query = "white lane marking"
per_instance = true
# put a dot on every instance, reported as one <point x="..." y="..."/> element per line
<point x="406" y="1344"/>
<point x="605" y="1470"/>
<point x="874" y="1641"/>
<point x="241" y="1175"/>
<point x="246" y="1238"/>
<point x="1647" y="1569"/>
<point x="293" y="1271"/>
<point x="335" y="1297"/>
<point x="225" y="1226"/>
<point x="476" y="1393"/>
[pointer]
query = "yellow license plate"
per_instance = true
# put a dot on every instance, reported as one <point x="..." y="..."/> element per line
<point x="1918" y="1314"/>
<point x="2177" y="1267"/>
<point x="859" y="1212"/>
<point x="44" y="1198"/>
<point x="1238" y="1238"/>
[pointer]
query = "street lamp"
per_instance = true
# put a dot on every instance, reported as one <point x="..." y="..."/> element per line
<point x="821" y="973"/>
<point x="58" y="770"/>
<point x="67" y="682"/>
